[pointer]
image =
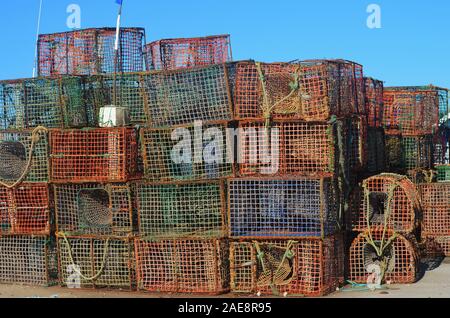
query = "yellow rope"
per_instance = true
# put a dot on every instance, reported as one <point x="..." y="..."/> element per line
<point x="34" y="140"/>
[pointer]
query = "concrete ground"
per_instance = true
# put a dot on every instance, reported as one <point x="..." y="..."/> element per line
<point x="433" y="284"/>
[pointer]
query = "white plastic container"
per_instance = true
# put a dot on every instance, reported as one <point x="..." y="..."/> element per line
<point x="113" y="116"/>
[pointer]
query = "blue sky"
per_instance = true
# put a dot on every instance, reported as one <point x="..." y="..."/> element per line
<point x="411" y="48"/>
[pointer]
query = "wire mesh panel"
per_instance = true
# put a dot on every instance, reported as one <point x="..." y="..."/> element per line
<point x="309" y="267"/>
<point x="412" y="111"/>
<point x="374" y="101"/>
<point x="27" y="260"/>
<point x="443" y="173"/>
<point x="376" y="150"/>
<point x="93" y="262"/>
<point x="183" y="266"/>
<point x="24" y="153"/>
<point x="282" y="208"/>
<point x="417" y="152"/>
<point x="393" y="151"/>
<point x="398" y="262"/>
<point x="388" y="200"/>
<point x="290" y="147"/>
<point x="187" y="153"/>
<point x="93" y="209"/>
<point x="123" y="90"/>
<point x="90" y="52"/>
<point x="194" y="210"/>
<point x="48" y="102"/>
<point x="25" y="209"/>
<point x="184" y="96"/>
<point x="93" y="155"/>
<point x="172" y="54"/>
<point x="436" y="208"/>
<point x="308" y="90"/>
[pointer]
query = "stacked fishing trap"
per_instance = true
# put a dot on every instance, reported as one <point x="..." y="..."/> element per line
<point x="204" y="175"/>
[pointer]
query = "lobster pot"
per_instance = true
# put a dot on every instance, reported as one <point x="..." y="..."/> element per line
<point x="17" y="149"/>
<point x="309" y="267"/>
<point x="413" y="111"/>
<point x="417" y="152"/>
<point x="393" y="152"/>
<point x="49" y="102"/>
<point x="90" y="52"/>
<point x="173" y="54"/>
<point x="441" y="143"/>
<point x="185" y="209"/>
<point x="399" y="257"/>
<point x="184" y="96"/>
<point x="309" y="90"/>
<point x="389" y="197"/>
<point x="102" y="262"/>
<point x="438" y="246"/>
<point x="376" y="152"/>
<point x="291" y="147"/>
<point x="93" y="155"/>
<point x="374" y="101"/>
<point x="93" y="209"/>
<point x="187" y="153"/>
<point x="443" y="173"/>
<point x="435" y="199"/>
<point x="356" y="143"/>
<point x="444" y="106"/>
<point x="282" y="208"/>
<point x="25" y="209"/>
<point x="128" y="92"/>
<point x="27" y="260"/>
<point x="183" y="266"/>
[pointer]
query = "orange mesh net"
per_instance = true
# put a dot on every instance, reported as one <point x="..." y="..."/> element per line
<point x="309" y="267"/>
<point x="183" y="266"/>
<point x="93" y="155"/>
<point x="374" y="101"/>
<point x="398" y="260"/>
<point x="436" y="208"/>
<point x="172" y="54"/>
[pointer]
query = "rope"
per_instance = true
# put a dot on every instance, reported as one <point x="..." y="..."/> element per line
<point x="102" y="268"/>
<point x="266" y="106"/>
<point x="34" y="140"/>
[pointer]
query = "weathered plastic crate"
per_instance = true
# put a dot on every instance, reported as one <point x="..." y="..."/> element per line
<point x="282" y="207"/>
<point x="25" y="209"/>
<point x="411" y="110"/>
<point x="93" y="262"/>
<point x="182" y="209"/>
<point x="312" y="90"/>
<point x="94" y="209"/>
<point x="90" y="52"/>
<point x="27" y="260"/>
<point x="376" y="151"/>
<point x="183" y="266"/>
<point x="436" y="208"/>
<point x="443" y="173"/>
<point x="21" y="158"/>
<point x="374" y="101"/>
<point x="93" y="155"/>
<point x="386" y="199"/>
<point x="49" y="102"/>
<point x="303" y="148"/>
<point x="200" y="158"/>
<point x="399" y="257"/>
<point x="309" y="267"/>
<point x="182" y="53"/>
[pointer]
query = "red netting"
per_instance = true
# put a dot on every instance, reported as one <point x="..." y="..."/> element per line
<point x="441" y="143"/>
<point x="93" y="155"/>
<point x="385" y="199"/>
<point x="413" y="112"/>
<point x="374" y="101"/>
<point x="171" y="54"/>
<point x="90" y="52"/>
<point x="436" y="208"/>
<point x="25" y="209"/>
<point x="438" y="246"/>
<point x="399" y="258"/>
<point x="309" y="90"/>
<point x="183" y="266"/>
<point x="309" y="267"/>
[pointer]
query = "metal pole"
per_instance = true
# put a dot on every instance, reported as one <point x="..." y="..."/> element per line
<point x="37" y="39"/>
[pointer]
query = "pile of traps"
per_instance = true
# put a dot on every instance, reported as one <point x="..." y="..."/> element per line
<point x="205" y="175"/>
